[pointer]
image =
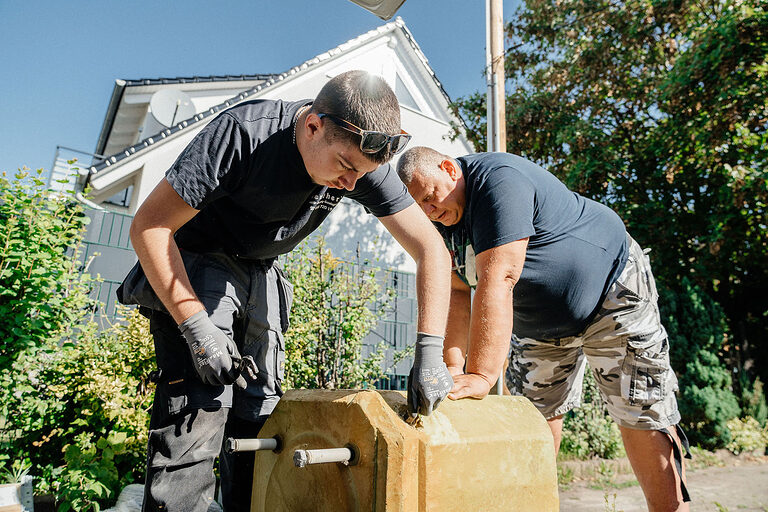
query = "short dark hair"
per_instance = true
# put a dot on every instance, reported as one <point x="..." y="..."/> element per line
<point x="419" y="160"/>
<point x="364" y="100"/>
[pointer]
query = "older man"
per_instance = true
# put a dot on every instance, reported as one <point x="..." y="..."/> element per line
<point x="559" y="274"/>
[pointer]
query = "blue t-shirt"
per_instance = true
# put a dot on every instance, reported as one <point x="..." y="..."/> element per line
<point x="576" y="249"/>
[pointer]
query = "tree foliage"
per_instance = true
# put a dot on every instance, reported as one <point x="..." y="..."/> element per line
<point x="42" y="290"/>
<point x="658" y="108"/>
<point x="77" y="411"/>
<point x="697" y="337"/>
<point x="73" y="401"/>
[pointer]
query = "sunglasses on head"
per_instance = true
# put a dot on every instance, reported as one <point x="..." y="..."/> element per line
<point x="372" y="141"/>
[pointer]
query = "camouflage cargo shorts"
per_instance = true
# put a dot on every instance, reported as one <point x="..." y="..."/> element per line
<point x="627" y="349"/>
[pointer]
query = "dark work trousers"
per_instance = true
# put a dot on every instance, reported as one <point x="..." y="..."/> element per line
<point x="250" y="302"/>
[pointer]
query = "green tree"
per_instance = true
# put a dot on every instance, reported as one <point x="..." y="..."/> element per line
<point x="73" y="401"/>
<point x="698" y="333"/>
<point x="335" y="305"/>
<point x="658" y="108"/>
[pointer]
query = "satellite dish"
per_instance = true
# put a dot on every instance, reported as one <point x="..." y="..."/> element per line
<point x="384" y="9"/>
<point x="170" y="106"/>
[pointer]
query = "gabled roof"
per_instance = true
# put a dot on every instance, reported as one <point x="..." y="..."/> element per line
<point x="271" y="80"/>
<point x="156" y="83"/>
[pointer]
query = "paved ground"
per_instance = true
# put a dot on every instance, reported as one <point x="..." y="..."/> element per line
<point x="743" y="487"/>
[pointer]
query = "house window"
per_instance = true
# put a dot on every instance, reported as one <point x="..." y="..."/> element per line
<point x="403" y="95"/>
<point x="122" y="198"/>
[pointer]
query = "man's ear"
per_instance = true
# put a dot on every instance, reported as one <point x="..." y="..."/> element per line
<point x="448" y="165"/>
<point x="313" y="124"/>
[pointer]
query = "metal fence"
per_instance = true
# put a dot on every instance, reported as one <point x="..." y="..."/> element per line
<point x="108" y="254"/>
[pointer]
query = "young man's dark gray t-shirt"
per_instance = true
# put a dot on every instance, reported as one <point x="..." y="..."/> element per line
<point x="244" y="173"/>
<point x="576" y="249"/>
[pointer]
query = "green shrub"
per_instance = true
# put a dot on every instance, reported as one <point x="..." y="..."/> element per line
<point x="746" y="435"/>
<point x="588" y="431"/>
<point x="335" y="306"/>
<point x="43" y="293"/>
<point x="752" y="398"/>
<point x="697" y="331"/>
<point x="81" y="413"/>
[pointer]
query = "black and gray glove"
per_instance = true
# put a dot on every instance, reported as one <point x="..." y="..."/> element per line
<point x="429" y="381"/>
<point x="214" y="354"/>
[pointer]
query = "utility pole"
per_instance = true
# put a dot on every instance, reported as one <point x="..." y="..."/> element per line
<point x="494" y="74"/>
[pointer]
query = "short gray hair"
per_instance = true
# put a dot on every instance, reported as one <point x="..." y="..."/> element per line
<point x="420" y="159"/>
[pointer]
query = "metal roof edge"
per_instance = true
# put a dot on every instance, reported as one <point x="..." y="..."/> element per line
<point x="109" y="120"/>
<point x="197" y="79"/>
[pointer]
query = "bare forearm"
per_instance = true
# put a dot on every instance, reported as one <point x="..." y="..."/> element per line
<point x="490" y="330"/>
<point x="160" y="258"/>
<point x="433" y="289"/>
<point x="457" y="333"/>
<point x="418" y="236"/>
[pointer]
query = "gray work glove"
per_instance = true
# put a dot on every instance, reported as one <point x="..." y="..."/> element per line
<point x="214" y="354"/>
<point x="429" y="381"/>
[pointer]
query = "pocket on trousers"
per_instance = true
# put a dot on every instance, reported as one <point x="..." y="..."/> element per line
<point x="646" y="375"/>
<point x="285" y="291"/>
<point x="176" y="394"/>
<point x="178" y="386"/>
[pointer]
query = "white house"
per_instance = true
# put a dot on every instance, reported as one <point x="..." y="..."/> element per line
<point x="149" y="121"/>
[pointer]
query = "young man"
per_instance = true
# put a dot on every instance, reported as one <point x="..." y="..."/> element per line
<point x="252" y="184"/>
<point x="560" y="275"/>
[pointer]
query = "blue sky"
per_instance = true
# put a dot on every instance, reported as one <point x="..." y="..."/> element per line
<point x="59" y="59"/>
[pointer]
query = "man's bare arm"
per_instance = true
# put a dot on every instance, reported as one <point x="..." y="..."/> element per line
<point x="152" y="230"/>
<point x="457" y="333"/>
<point x="420" y="239"/>
<point x="498" y="270"/>
<point x="429" y="380"/>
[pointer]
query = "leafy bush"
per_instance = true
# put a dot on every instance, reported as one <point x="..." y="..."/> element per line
<point x="43" y="293"/>
<point x="87" y="400"/>
<point x="336" y="304"/>
<point x="588" y="431"/>
<point x="73" y="401"/>
<point x="752" y="398"/>
<point x="697" y="331"/>
<point x="746" y="435"/>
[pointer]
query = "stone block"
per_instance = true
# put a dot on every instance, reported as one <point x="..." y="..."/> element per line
<point x="469" y="455"/>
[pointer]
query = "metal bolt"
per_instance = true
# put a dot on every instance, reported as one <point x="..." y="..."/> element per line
<point x="250" y="445"/>
<point x="302" y="458"/>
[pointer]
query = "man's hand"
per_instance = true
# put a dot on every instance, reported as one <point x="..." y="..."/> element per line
<point x="429" y="381"/>
<point x="214" y="354"/>
<point x="469" y="386"/>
